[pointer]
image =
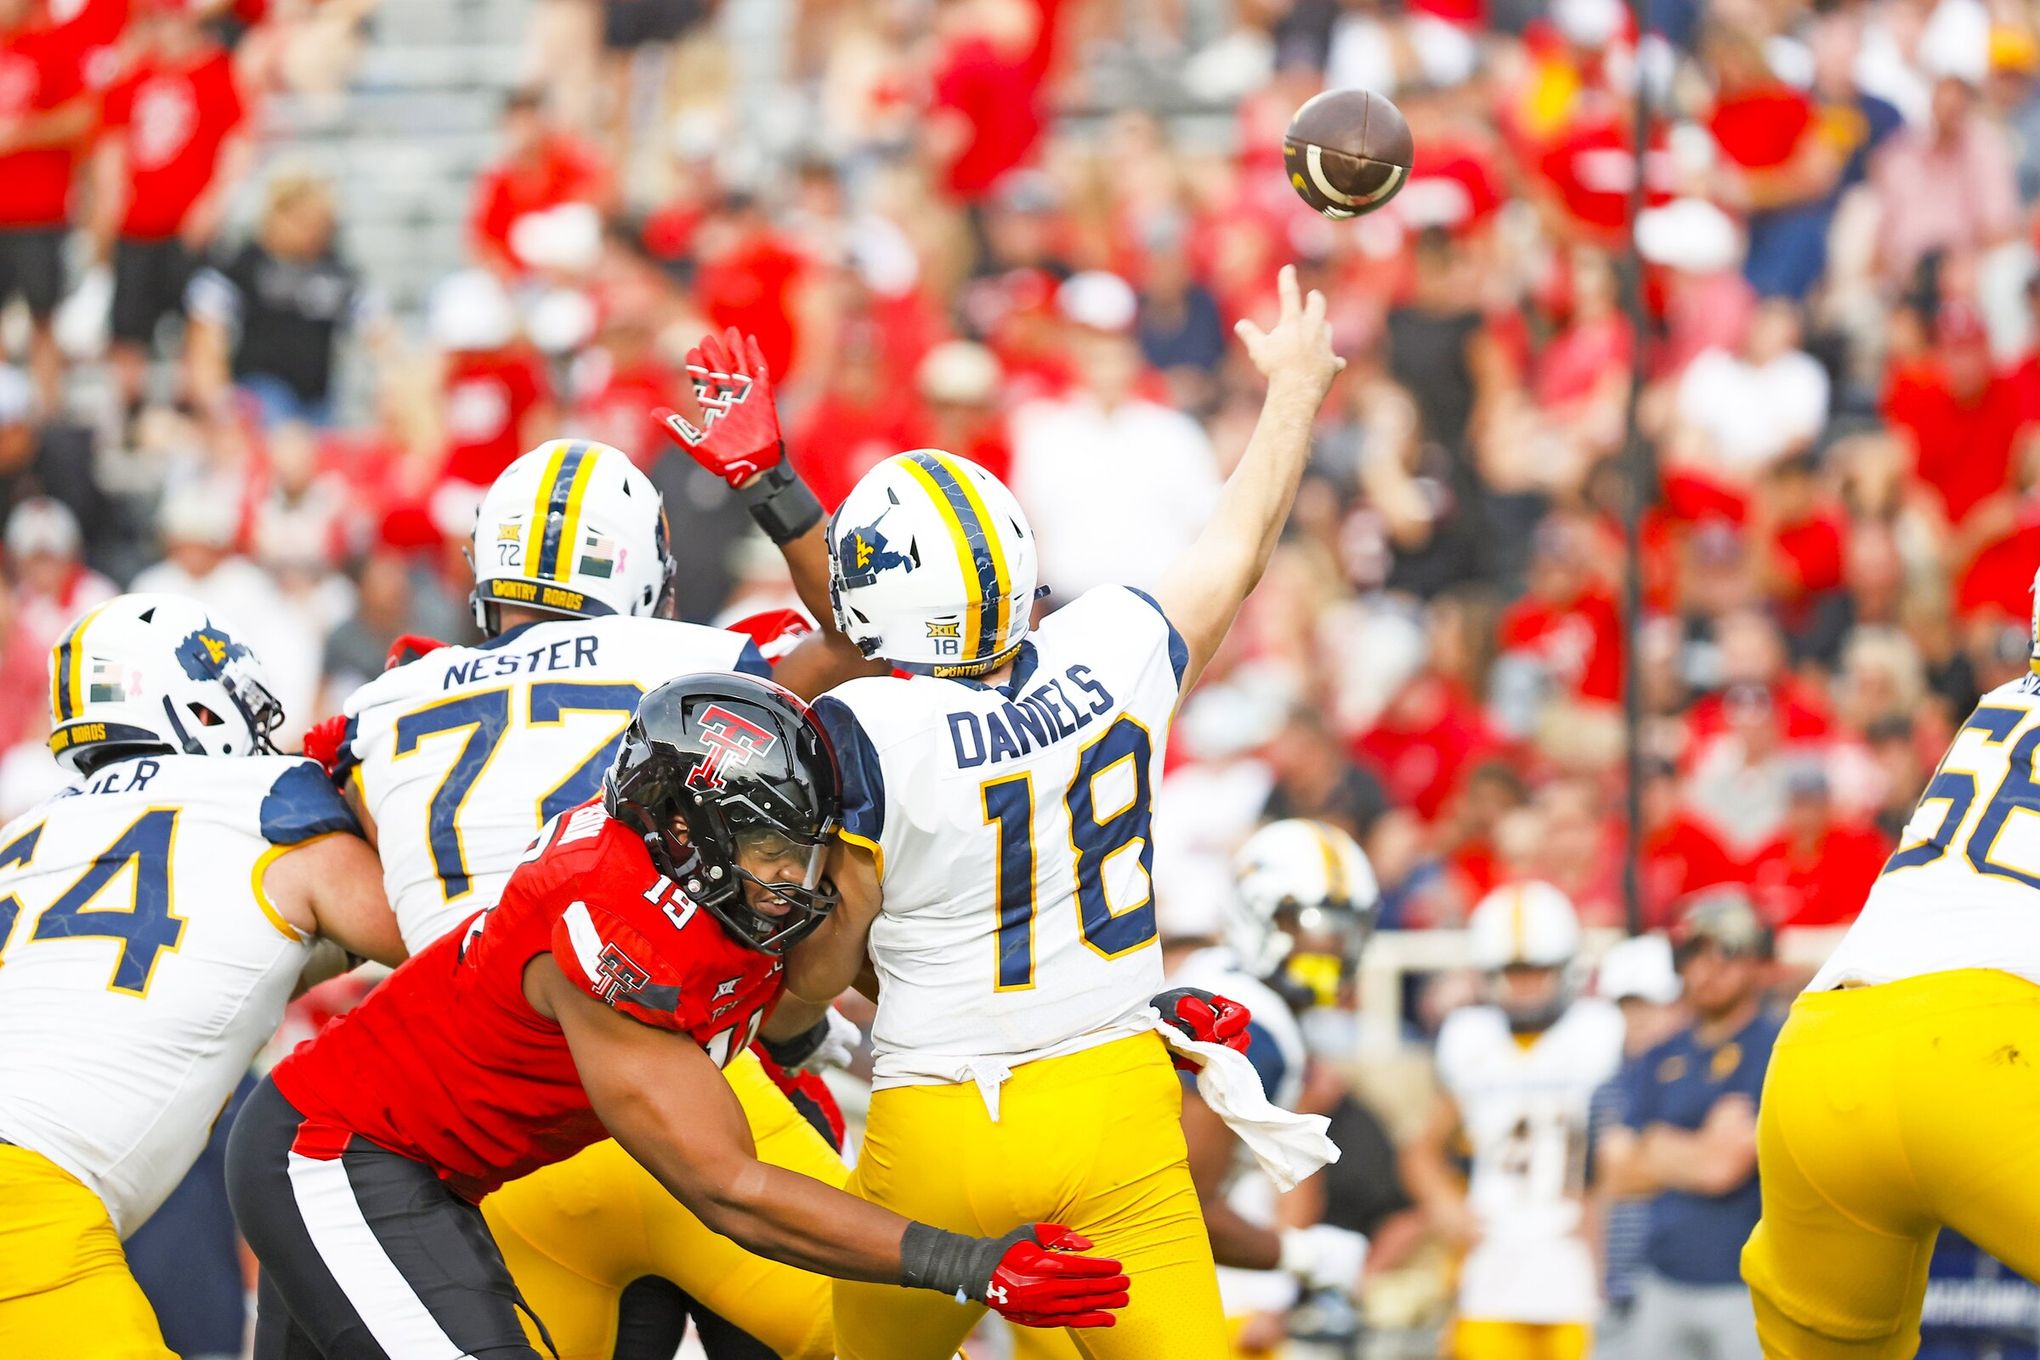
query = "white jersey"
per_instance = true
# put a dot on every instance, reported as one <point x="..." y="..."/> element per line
<point x="1011" y="826"/>
<point x="1524" y="1107"/>
<point x="143" y="967"/>
<point x="463" y="754"/>
<point x="1960" y="891"/>
<point x="1278" y="1054"/>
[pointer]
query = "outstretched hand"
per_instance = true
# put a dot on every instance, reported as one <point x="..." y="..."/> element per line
<point x="733" y="430"/>
<point x="1299" y="347"/>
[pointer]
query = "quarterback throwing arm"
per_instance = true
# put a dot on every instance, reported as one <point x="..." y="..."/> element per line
<point x="999" y="794"/>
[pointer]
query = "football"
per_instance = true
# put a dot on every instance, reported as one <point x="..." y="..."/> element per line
<point x="1347" y="152"/>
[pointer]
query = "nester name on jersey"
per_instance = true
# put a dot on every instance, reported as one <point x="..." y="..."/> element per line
<point x="556" y="654"/>
<point x="448" y="1063"/>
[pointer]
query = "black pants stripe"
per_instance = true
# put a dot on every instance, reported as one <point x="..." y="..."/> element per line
<point x="366" y="1255"/>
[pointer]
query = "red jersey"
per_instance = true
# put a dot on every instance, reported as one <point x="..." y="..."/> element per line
<point x="1963" y="449"/>
<point x="1580" y="643"/>
<point x="174" y="117"/>
<point x="564" y="171"/>
<point x="488" y="394"/>
<point x="41" y="70"/>
<point x="448" y="1064"/>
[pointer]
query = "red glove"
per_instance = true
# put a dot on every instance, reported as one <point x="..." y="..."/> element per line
<point x="776" y="631"/>
<point x="409" y="647"/>
<point x="738" y="436"/>
<point x="323" y="741"/>
<point x="1206" y="1018"/>
<point x="1041" y="1281"/>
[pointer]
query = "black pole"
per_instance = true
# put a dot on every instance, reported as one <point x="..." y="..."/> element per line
<point x="1637" y="490"/>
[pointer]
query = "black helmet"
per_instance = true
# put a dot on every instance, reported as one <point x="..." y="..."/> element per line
<point x="740" y="762"/>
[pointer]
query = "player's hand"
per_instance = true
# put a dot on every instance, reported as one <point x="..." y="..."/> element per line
<point x="323" y="741"/>
<point x="1299" y="348"/>
<point x="831" y="1041"/>
<point x="1041" y="1280"/>
<point x="1324" y="1257"/>
<point x="408" y="648"/>
<point x="1206" y="1018"/>
<point x="737" y="434"/>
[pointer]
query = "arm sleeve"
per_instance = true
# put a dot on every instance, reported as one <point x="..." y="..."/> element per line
<point x="302" y="805"/>
<point x="612" y="961"/>
<point x="1179" y="652"/>
<point x="751" y="661"/>
<point x="863" y="779"/>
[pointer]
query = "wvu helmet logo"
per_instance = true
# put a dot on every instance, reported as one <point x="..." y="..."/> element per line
<point x="203" y="654"/>
<point x="862" y="555"/>
<point x="730" y="740"/>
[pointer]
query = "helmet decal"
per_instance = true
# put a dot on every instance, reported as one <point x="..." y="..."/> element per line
<point x="862" y="554"/>
<point x="989" y="608"/>
<point x="67" y="689"/>
<point x="731" y="740"/>
<point x="205" y="652"/>
<point x="556" y="517"/>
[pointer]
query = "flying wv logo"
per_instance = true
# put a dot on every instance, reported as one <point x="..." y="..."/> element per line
<point x="730" y="740"/>
<point x="864" y="553"/>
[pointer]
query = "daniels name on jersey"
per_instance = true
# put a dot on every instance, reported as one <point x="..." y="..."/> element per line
<point x="448" y="1063"/>
<point x="1010" y="825"/>
<point x="461" y="755"/>
<point x="144" y="965"/>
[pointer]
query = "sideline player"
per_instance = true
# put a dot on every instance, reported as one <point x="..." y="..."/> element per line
<point x="1518" y="1075"/>
<point x="155" y="917"/>
<point x="1001" y="794"/>
<point x="1901" y="1092"/>
<point x="1304" y="906"/>
<point x="633" y="953"/>
<point x="456" y="760"/>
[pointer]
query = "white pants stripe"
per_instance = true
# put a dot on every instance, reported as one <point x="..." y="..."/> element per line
<point x="394" y="1314"/>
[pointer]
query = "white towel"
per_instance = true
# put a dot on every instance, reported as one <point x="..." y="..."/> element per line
<point x="1289" y="1146"/>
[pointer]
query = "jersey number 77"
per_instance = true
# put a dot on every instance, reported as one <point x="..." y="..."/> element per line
<point x="486" y="719"/>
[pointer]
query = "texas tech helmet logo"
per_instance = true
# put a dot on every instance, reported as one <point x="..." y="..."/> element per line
<point x="730" y="740"/>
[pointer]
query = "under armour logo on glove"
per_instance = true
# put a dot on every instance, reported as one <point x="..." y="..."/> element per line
<point x="1042" y="1279"/>
<point x="995" y="1295"/>
<point x="737" y="433"/>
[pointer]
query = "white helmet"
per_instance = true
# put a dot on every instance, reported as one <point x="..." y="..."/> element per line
<point x="1529" y="924"/>
<point x="932" y="565"/>
<point x="572" y="528"/>
<point x="148" y="672"/>
<point x="1299" y="877"/>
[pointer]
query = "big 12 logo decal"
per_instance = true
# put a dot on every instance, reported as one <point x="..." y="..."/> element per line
<point x="731" y="740"/>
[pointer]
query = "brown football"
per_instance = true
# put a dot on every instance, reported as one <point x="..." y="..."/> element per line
<point x="1347" y="152"/>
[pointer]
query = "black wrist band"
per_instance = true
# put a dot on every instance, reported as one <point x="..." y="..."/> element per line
<point x="952" y="1263"/>
<point x="780" y="502"/>
<point x="791" y="1053"/>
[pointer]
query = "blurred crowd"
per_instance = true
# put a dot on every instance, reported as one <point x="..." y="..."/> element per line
<point x="1021" y="230"/>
